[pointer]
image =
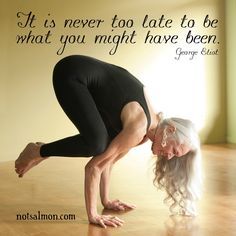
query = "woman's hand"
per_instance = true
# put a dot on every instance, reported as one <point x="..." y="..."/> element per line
<point x="118" y="206"/>
<point x="106" y="220"/>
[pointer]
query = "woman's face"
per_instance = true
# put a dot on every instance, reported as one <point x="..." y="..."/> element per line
<point x="169" y="147"/>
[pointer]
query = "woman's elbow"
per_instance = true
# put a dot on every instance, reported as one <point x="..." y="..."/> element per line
<point x="92" y="170"/>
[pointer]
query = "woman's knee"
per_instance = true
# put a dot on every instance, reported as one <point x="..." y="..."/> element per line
<point x="99" y="145"/>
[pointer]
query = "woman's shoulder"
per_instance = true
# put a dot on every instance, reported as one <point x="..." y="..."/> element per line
<point x="133" y="116"/>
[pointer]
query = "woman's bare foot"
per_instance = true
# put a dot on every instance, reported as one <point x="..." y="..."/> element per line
<point x="29" y="158"/>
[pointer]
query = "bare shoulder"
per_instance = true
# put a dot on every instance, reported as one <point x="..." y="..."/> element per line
<point x="133" y="117"/>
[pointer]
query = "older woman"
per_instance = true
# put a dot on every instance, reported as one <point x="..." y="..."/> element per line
<point x="112" y="112"/>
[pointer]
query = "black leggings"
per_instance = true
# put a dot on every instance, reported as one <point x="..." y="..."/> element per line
<point x="77" y="102"/>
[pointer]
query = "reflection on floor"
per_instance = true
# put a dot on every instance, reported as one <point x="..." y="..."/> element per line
<point x="56" y="187"/>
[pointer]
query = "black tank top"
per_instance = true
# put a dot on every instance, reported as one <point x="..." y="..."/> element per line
<point x="111" y="87"/>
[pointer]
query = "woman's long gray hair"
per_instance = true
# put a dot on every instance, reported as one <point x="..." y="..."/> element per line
<point x="181" y="177"/>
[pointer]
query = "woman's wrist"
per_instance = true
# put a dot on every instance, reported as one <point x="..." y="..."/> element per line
<point x="105" y="202"/>
<point x="92" y="215"/>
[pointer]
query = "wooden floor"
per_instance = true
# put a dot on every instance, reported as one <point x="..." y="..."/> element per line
<point x="56" y="187"/>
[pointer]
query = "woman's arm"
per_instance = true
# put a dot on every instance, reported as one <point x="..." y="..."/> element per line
<point x="126" y="139"/>
<point x="104" y="190"/>
<point x="104" y="185"/>
<point x="105" y="181"/>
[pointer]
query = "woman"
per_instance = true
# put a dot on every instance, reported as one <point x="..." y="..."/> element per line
<point x="111" y="110"/>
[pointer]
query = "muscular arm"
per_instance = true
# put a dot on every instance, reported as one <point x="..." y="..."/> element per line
<point x="125" y="140"/>
<point x="105" y="180"/>
<point x="104" y="185"/>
